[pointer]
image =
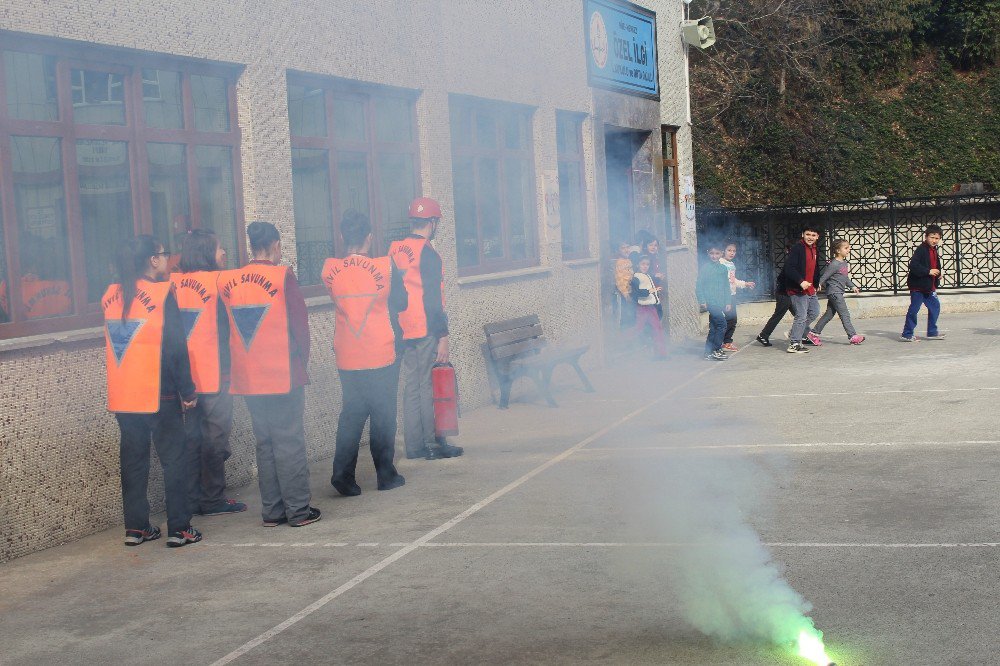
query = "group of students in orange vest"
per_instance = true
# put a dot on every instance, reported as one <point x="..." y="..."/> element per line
<point x="181" y="344"/>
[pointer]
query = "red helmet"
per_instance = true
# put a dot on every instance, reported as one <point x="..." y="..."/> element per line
<point x="425" y="208"/>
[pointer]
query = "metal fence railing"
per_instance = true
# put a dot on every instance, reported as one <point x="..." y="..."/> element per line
<point x="882" y="233"/>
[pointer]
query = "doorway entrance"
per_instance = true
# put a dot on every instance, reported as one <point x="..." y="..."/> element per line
<point x="621" y="150"/>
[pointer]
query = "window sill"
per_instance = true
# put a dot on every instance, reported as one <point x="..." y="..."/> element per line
<point x="474" y="280"/>
<point x="46" y="339"/>
<point x="582" y="262"/>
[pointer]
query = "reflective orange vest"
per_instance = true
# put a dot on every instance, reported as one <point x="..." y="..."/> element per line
<point x="359" y="286"/>
<point x="198" y="299"/>
<point x="135" y="347"/>
<point x="45" y="298"/>
<point x="406" y="255"/>
<point x="259" y="336"/>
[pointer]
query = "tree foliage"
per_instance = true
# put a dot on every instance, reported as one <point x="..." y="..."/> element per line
<point x="805" y="100"/>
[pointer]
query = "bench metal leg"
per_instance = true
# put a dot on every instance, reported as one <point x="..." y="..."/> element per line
<point x="505" y="383"/>
<point x="583" y="378"/>
<point x="543" y="381"/>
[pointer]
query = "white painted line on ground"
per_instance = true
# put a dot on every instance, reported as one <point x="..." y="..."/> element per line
<point x="799" y="445"/>
<point x="639" y="544"/>
<point x="808" y="395"/>
<point x="444" y="527"/>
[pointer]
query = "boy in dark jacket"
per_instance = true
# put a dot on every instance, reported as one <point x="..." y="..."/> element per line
<point x="801" y="279"/>
<point x="713" y="295"/>
<point x="923" y="279"/>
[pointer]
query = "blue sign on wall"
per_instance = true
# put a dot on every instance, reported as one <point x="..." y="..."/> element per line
<point x="621" y="47"/>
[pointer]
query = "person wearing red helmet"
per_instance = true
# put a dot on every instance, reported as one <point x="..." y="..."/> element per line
<point x="425" y="330"/>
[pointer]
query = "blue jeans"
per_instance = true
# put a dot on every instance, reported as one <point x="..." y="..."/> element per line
<point x="917" y="299"/>
<point x="716" y="328"/>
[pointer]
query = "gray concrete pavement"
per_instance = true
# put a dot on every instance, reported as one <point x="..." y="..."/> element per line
<point x="871" y="472"/>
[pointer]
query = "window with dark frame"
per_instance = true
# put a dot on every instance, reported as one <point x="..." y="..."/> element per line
<point x="493" y="175"/>
<point x="354" y="146"/>
<point x="572" y="187"/>
<point x="93" y="152"/>
<point x="671" y="185"/>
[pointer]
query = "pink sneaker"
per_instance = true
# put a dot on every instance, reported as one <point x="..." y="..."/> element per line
<point x="857" y="339"/>
<point x="814" y="339"/>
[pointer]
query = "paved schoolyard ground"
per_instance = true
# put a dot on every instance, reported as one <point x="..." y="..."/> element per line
<point x="870" y="472"/>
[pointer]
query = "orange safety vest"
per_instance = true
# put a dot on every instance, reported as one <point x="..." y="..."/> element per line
<point x="198" y="299"/>
<point x="45" y="298"/>
<point x="406" y="255"/>
<point x="363" y="338"/>
<point x="135" y="347"/>
<point x="259" y="336"/>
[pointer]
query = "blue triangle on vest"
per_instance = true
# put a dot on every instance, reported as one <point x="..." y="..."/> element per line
<point x="121" y="335"/>
<point x="189" y="317"/>
<point x="247" y="319"/>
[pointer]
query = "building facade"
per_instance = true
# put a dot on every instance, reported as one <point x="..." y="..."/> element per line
<point x="138" y="117"/>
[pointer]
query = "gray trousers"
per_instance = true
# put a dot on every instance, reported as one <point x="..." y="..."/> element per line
<point x="806" y="309"/>
<point x="836" y="304"/>
<point x="207" y="428"/>
<point x="418" y="394"/>
<point x="282" y="468"/>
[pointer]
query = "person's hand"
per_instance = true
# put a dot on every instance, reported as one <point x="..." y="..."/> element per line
<point x="189" y="405"/>
<point x="751" y="285"/>
<point x="935" y="272"/>
<point x="442" y="355"/>
<point x="857" y="291"/>
<point x="805" y="284"/>
<point x="729" y="308"/>
<point x="657" y="290"/>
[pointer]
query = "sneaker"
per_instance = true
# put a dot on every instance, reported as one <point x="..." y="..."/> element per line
<point x="135" y="537"/>
<point x="716" y="355"/>
<point x="939" y="336"/>
<point x="813" y="339"/>
<point x="764" y="341"/>
<point x="857" y="339"/>
<point x="346" y="488"/>
<point x="312" y="516"/>
<point x="225" y="507"/>
<point x="274" y="522"/>
<point x="911" y="338"/>
<point x="183" y="537"/>
<point x="443" y="450"/>
<point x="395" y="481"/>
<point x="422" y="453"/>
<point x="797" y="348"/>
<point x="729" y="346"/>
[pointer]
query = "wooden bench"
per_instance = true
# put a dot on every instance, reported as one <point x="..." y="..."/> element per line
<point x="517" y="348"/>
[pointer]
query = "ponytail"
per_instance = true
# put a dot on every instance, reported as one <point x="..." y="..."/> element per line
<point x="132" y="257"/>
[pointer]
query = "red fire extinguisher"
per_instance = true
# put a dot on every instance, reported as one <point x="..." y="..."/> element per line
<point x="445" y="399"/>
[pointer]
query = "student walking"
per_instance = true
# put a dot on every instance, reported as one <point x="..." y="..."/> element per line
<point x="425" y="330"/>
<point x="923" y="279"/>
<point x="712" y="290"/>
<point x="734" y="285"/>
<point x="801" y="278"/>
<point x="782" y="304"/>
<point x="269" y="347"/>
<point x="208" y="425"/>
<point x="368" y="295"/>
<point x="647" y="298"/>
<point x="836" y="280"/>
<point x="149" y="386"/>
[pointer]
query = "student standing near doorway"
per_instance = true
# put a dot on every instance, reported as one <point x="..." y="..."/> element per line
<point x="269" y="347"/>
<point x="149" y="386"/>
<point x="208" y="426"/>
<point x="368" y="295"/>
<point x="425" y="330"/>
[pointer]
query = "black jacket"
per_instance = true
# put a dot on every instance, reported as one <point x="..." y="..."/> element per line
<point x="794" y="272"/>
<point x="919" y="277"/>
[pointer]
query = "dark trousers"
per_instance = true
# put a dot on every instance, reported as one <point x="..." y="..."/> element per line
<point x="918" y="299"/>
<point x="730" y="322"/>
<point x="367" y="394"/>
<point x="282" y="468"/>
<point x="207" y="428"/>
<point x="166" y="428"/>
<point x="418" y="393"/>
<point x="782" y="304"/>
<point x="716" y="328"/>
